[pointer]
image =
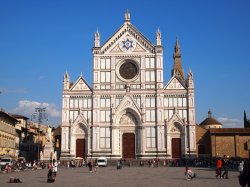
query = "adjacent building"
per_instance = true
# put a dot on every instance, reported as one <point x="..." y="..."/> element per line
<point x="7" y="135"/>
<point x="128" y="111"/>
<point x="214" y="141"/>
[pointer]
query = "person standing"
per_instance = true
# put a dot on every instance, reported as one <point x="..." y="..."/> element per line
<point x="218" y="167"/>
<point x="54" y="167"/>
<point x="8" y="168"/>
<point x="225" y="163"/>
<point x="241" y="166"/>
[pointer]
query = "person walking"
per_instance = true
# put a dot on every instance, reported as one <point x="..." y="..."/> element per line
<point x="90" y="165"/>
<point x="225" y="163"/>
<point x="54" y="168"/>
<point x="95" y="166"/>
<point x="244" y="178"/>
<point x="218" y="167"/>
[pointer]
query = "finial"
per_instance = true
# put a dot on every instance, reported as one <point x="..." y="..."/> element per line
<point x="127" y="16"/>
<point x="81" y="74"/>
<point x="209" y="114"/>
<point x="97" y="38"/>
<point x="158" y="37"/>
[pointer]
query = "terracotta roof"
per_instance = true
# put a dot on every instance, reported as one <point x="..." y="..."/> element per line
<point x="5" y="115"/>
<point x="18" y="116"/>
<point x="230" y="131"/>
<point x="210" y="121"/>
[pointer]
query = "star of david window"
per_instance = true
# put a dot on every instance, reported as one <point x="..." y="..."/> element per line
<point x="127" y="44"/>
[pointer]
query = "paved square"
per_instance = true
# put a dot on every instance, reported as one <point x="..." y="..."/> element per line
<point x="129" y="177"/>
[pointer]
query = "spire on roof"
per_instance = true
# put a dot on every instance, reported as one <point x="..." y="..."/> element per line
<point x="158" y="37"/>
<point x="127" y="16"/>
<point x="209" y="114"/>
<point x="97" y="38"/>
<point x="177" y="70"/>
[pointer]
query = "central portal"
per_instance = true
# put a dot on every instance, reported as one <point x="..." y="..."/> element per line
<point x="128" y="145"/>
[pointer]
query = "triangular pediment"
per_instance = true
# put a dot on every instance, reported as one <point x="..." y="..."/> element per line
<point x="128" y="102"/>
<point x="127" y="40"/>
<point x="175" y="84"/>
<point x="80" y="85"/>
<point x="175" y="124"/>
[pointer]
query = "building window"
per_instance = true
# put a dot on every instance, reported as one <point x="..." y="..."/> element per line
<point x="105" y="63"/>
<point x="150" y="76"/>
<point x="105" y="103"/>
<point x="150" y="115"/>
<point x="150" y="137"/>
<point x="105" y="76"/>
<point x="105" y="116"/>
<point x="150" y="63"/>
<point x="104" y="137"/>
<point x="150" y="102"/>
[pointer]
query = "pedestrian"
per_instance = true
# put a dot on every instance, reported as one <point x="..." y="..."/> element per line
<point x="244" y="178"/>
<point x="241" y="167"/>
<point x="90" y="165"/>
<point x="95" y="166"/>
<point x="67" y="164"/>
<point x="218" y="167"/>
<point x="189" y="174"/>
<point x="50" y="176"/>
<point x="8" y="168"/>
<point x="54" y="168"/>
<point x="225" y="163"/>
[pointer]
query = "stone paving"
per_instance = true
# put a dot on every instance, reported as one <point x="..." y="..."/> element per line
<point x="127" y="176"/>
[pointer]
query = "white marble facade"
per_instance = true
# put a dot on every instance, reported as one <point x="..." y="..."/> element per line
<point x="128" y="96"/>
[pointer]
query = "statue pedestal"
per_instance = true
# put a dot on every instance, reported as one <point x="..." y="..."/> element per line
<point x="48" y="152"/>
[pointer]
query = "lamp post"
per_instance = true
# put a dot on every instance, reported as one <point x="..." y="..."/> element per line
<point x="40" y="115"/>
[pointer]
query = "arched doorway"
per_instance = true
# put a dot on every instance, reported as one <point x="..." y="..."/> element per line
<point x="80" y="148"/>
<point x="128" y="128"/>
<point x="128" y="145"/>
<point x="176" y="148"/>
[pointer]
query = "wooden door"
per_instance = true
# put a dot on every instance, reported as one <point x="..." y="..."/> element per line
<point x="176" y="148"/>
<point x="128" y="145"/>
<point x="80" y="148"/>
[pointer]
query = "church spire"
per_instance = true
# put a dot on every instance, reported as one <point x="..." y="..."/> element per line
<point x="177" y="70"/>
<point x="127" y="16"/>
<point x="97" y="39"/>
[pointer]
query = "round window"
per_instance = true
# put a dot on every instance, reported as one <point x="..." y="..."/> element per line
<point x="128" y="70"/>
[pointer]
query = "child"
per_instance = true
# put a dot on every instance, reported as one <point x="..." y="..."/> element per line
<point x="190" y="174"/>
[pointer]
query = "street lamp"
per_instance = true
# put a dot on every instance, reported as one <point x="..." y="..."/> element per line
<point x="40" y="115"/>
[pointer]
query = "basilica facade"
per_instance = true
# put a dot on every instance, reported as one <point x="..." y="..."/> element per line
<point x="128" y="112"/>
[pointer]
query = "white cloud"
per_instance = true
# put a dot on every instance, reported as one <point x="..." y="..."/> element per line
<point x="27" y="108"/>
<point x="230" y="122"/>
<point x="18" y="90"/>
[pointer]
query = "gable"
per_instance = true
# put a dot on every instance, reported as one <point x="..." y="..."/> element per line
<point x="127" y="44"/>
<point x="80" y="85"/>
<point x="127" y="40"/>
<point x="175" y="84"/>
<point x="128" y="102"/>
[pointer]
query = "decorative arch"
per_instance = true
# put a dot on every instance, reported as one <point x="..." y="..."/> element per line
<point x="127" y="105"/>
<point x="176" y="124"/>
<point x="79" y="137"/>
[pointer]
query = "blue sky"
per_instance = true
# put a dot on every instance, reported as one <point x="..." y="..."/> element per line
<point x="40" y="40"/>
